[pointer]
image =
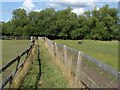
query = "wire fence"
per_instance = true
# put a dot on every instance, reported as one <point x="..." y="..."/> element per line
<point x="81" y="69"/>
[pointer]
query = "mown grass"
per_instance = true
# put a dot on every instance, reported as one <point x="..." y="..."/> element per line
<point x="11" y="48"/>
<point x="52" y="76"/>
<point x="105" y="51"/>
<point x="32" y="76"/>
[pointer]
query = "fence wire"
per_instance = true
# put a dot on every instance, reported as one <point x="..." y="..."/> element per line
<point x="72" y="56"/>
<point x="93" y="75"/>
<point x="91" y="72"/>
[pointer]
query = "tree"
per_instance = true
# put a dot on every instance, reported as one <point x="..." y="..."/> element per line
<point x="96" y="24"/>
<point x="19" y="20"/>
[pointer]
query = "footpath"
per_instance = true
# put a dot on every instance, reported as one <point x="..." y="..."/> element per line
<point x="44" y="72"/>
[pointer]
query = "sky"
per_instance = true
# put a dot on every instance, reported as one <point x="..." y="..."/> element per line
<point x="78" y="6"/>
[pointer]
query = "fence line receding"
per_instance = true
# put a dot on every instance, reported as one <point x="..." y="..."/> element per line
<point x="82" y="68"/>
<point x="14" y="79"/>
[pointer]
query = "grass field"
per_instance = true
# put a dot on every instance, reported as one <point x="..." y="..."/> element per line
<point x="11" y="48"/>
<point x="52" y="76"/>
<point x="105" y="51"/>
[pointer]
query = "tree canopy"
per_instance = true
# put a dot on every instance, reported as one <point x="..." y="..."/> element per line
<point x="96" y="24"/>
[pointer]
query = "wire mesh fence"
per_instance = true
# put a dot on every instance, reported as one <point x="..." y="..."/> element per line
<point x="82" y="70"/>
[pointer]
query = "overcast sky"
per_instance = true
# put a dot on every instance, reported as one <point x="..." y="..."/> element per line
<point x="79" y="6"/>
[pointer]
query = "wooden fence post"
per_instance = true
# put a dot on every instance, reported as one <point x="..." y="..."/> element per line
<point x="56" y="52"/>
<point x="67" y="68"/>
<point x="78" y="69"/>
<point x="16" y="82"/>
<point x="53" y="49"/>
<point x="57" y="56"/>
<point x="65" y="60"/>
<point x="45" y="41"/>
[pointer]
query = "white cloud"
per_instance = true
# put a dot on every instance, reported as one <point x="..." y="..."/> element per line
<point x="7" y="20"/>
<point x="81" y="0"/>
<point x="78" y="6"/>
<point x="78" y="11"/>
<point x="52" y="4"/>
<point x="97" y="8"/>
<point x="4" y="20"/>
<point x="37" y="10"/>
<point x="28" y="5"/>
<point x="73" y="3"/>
<point x="61" y="0"/>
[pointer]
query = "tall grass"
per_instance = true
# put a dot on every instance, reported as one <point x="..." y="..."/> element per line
<point x="52" y="76"/>
<point x="104" y="51"/>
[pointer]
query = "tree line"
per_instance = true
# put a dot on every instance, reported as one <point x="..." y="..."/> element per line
<point x="96" y="24"/>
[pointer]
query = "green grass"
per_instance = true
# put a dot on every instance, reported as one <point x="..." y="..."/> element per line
<point x="31" y="78"/>
<point x="104" y="51"/>
<point x="52" y="76"/>
<point x="11" y="48"/>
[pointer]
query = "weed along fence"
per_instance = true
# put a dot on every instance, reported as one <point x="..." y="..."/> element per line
<point x="14" y="79"/>
<point x="80" y="69"/>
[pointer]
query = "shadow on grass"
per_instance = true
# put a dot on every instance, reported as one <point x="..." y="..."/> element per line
<point x="33" y="77"/>
<point x="39" y="71"/>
